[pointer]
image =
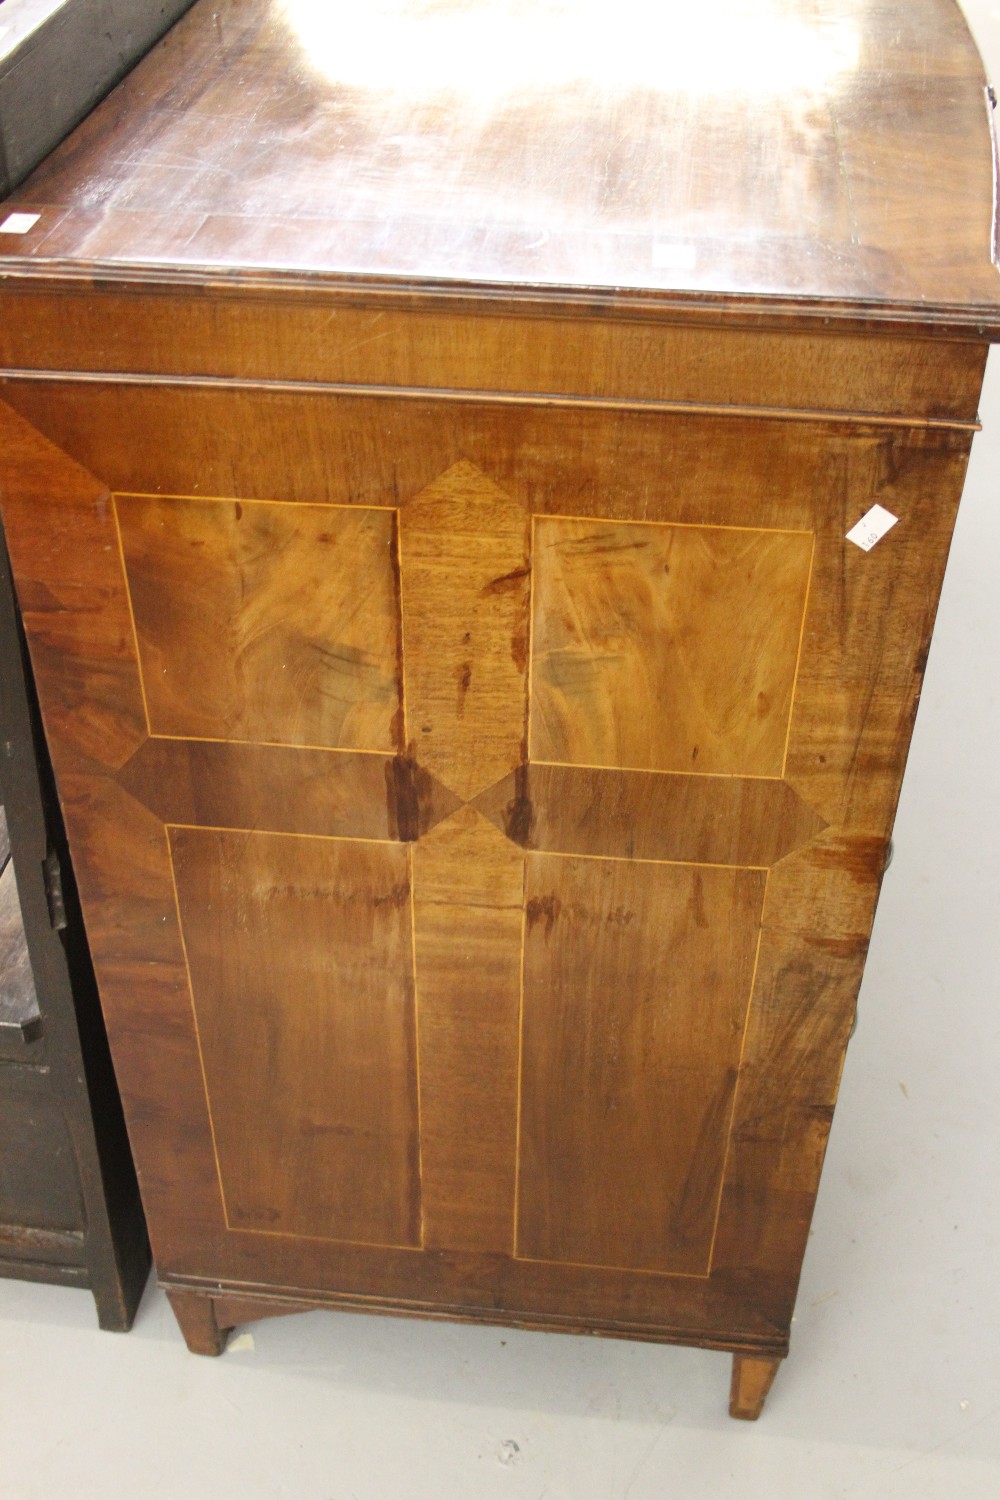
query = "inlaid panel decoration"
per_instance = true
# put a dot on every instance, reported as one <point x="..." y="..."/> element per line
<point x="265" y="622"/>
<point x="300" y="960"/>
<point x="637" y="980"/>
<point x="665" y="647"/>
<point x="470" y="813"/>
<point x="448" y="976"/>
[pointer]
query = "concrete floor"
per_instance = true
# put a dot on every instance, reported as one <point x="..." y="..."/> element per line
<point x="892" y="1389"/>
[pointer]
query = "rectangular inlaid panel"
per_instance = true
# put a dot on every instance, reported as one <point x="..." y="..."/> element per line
<point x="665" y="647"/>
<point x="266" y="622"/>
<point x="468" y="884"/>
<point x="637" y="980"/>
<point x="301" y="966"/>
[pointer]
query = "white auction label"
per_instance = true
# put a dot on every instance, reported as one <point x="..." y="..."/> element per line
<point x="872" y="527"/>
<point x="19" y="223"/>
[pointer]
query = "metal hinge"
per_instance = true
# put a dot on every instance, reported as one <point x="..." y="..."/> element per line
<point x="52" y="876"/>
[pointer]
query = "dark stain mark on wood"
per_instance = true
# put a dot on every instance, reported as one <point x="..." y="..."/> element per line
<point x="397" y="897"/>
<point x="403" y="783"/>
<point x="620" y="916"/>
<point x="507" y="583"/>
<point x="519" y="641"/>
<point x="519" y="815"/>
<point x="839" y="947"/>
<point x="863" y="858"/>
<point x="543" y="909"/>
<point x="463" y="675"/>
<point x="414" y="801"/>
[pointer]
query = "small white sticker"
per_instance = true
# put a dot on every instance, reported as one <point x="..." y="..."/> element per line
<point x="872" y="527"/>
<point x="19" y="223"/>
<point x="674" y="257"/>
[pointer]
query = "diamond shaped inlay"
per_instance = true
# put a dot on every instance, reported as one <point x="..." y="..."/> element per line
<point x="465" y="577"/>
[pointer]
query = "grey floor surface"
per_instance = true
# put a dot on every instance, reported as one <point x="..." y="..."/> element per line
<point x="892" y="1389"/>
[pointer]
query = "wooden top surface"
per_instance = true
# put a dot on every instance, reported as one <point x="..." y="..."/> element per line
<point x="836" y="155"/>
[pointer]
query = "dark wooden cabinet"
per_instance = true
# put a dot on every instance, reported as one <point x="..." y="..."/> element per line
<point x="433" y="504"/>
<point x="69" y="1200"/>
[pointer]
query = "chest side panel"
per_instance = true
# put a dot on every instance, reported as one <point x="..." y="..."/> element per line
<point x="480" y="813"/>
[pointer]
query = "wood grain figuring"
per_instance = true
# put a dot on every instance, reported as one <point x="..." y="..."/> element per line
<point x="847" y="776"/>
<point x="465" y="575"/>
<point x="770" y="1186"/>
<point x="816" y="925"/>
<point x="766" y="158"/>
<point x="798" y="477"/>
<point x="772" y="1166"/>
<point x="283" y="789"/>
<point x="468" y="914"/>
<point x="258" y="622"/>
<point x="400" y="342"/>
<point x="624" y="1060"/>
<point x="78" y="617"/>
<point x="665" y="648"/>
<point x="135" y="935"/>
<point x="300" y="962"/>
<point x="649" y="815"/>
<point x="530" y="735"/>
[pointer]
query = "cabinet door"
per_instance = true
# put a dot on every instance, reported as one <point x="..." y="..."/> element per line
<point x="480" y="813"/>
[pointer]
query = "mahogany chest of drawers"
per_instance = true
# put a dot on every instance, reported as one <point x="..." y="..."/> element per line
<point x="433" y="447"/>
